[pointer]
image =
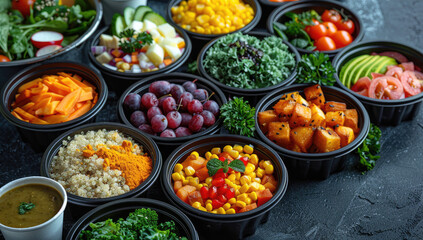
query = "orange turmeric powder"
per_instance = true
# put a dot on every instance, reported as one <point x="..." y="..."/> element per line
<point x="135" y="168"/>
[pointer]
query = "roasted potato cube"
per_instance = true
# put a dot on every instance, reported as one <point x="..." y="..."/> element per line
<point x="301" y="116"/>
<point x="295" y="148"/>
<point x="318" y="117"/>
<point x="351" y="120"/>
<point x="334" y="106"/>
<point x="284" y="109"/>
<point x="296" y="97"/>
<point x="335" y="118"/>
<point x="326" y="140"/>
<point x="315" y="95"/>
<point x="302" y="137"/>
<point x="266" y="117"/>
<point x="279" y="133"/>
<point x="346" y="134"/>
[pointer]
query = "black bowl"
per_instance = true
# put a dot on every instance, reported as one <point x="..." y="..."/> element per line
<point x="253" y="95"/>
<point x="121" y="209"/>
<point x="319" y="6"/>
<point x="386" y="112"/>
<point x="81" y="204"/>
<point x="37" y="135"/>
<point x="229" y="226"/>
<point x="316" y="165"/>
<point x="119" y="81"/>
<point x="167" y="145"/>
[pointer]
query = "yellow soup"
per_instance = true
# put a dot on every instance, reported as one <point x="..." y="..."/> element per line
<point x="29" y="205"/>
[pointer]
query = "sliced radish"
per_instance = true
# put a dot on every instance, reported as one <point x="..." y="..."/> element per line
<point x="46" y="38"/>
<point x="47" y="50"/>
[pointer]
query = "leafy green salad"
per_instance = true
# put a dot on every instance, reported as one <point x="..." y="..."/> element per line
<point x="245" y="61"/>
<point x="140" y="224"/>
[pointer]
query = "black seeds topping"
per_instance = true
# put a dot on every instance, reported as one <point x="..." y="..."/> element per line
<point x="312" y="120"/>
<point x="295" y="132"/>
<point x="320" y="100"/>
<point x="295" y="122"/>
<point x="320" y="94"/>
<point x="329" y="133"/>
<point x="292" y="95"/>
<point x="330" y="105"/>
<point x="337" y="125"/>
<point x="333" y="119"/>
<point x="277" y="133"/>
<point x="281" y="128"/>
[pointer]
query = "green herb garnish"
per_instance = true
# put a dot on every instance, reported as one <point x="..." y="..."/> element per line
<point x="316" y="68"/>
<point x="192" y="67"/>
<point x="213" y="165"/>
<point x="238" y="117"/>
<point x="369" y="149"/>
<point x="25" y="207"/>
<point x="133" y="42"/>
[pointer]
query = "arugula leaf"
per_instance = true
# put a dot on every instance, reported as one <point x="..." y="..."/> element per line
<point x="4" y="31"/>
<point x="214" y="164"/>
<point x="25" y="207"/>
<point x="316" y="68"/>
<point x="238" y="117"/>
<point x="369" y="149"/>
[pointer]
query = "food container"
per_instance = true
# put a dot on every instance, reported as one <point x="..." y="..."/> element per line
<point x="319" y="6"/>
<point x="315" y="165"/>
<point x="119" y="81"/>
<point x="37" y="135"/>
<point x="95" y="4"/>
<point x="253" y="95"/>
<point x="80" y="205"/>
<point x="167" y="145"/>
<point x="121" y="209"/>
<point x="117" y="6"/>
<point x="226" y="226"/>
<point x="51" y="229"/>
<point x="201" y="39"/>
<point x="386" y="112"/>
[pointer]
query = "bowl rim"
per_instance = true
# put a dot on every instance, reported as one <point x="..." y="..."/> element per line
<point x="171" y="76"/>
<point x="277" y="196"/>
<point x="252" y="24"/>
<point x="20" y="77"/>
<point x="314" y="156"/>
<point x="80" y="40"/>
<point x="19" y="182"/>
<point x="56" y="144"/>
<point x="257" y="34"/>
<point x="179" y="62"/>
<point x="273" y="4"/>
<point x="277" y="13"/>
<point x="376" y="44"/>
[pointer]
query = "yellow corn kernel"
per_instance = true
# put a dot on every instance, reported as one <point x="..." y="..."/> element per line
<point x="253" y="196"/>
<point x="221" y="211"/>
<point x="227" y="181"/>
<point x="232" y="28"/>
<point x="202" y="19"/>
<point x="200" y="29"/>
<point x="202" y="209"/>
<point x="194" y="155"/>
<point x="238" y="175"/>
<point x="176" y="176"/>
<point x="244" y="188"/>
<point x="199" y="186"/>
<point x="216" y="151"/>
<point x="260" y="172"/>
<point x="209" y="11"/>
<point x="234" y="154"/>
<point x="214" y="156"/>
<point x="194" y="181"/>
<point x="182" y="177"/>
<point x="189" y="171"/>
<point x="232" y="201"/>
<point x="182" y="173"/>
<point x="245" y="179"/>
<point x="217" y="31"/>
<point x="248" y="201"/>
<point x="227" y="148"/>
<point x="266" y="163"/>
<point x="241" y="197"/>
<point x="247" y="155"/>
<point x="209" y="180"/>
<point x="174" y="10"/>
<point x="232" y="177"/>
<point x="237" y="192"/>
<point x="257" y="180"/>
<point x="261" y="188"/>
<point x="230" y="211"/>
<point x="232" y="185"/>
<point x="196" y="205"/>
<point x="237" y="182"/>
<point x="255" y="186"/>
<point x="240" y="204"/>
<point x="252" y="175"/>
<point x="189" y="177"/>
<point x="226" y="206"/>
<point x="238" y="148"/>
<point x="214" y="211"/>
<point x="269" y="169"/>
<point x="209" y="207"/>
<point x="249" y="168"/>
<point x="208" y="155"/>
<point x="208" y="201"/>
<point x="248" y="149"/>
<point x="185" y="182"/>
<point x="178" y="167"/>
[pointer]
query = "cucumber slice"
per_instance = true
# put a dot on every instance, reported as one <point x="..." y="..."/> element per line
<point x="118" y="24"/>
<point x="128" y="15"/>
<point x="155" y="18"/>
<point x="140" y="12"/>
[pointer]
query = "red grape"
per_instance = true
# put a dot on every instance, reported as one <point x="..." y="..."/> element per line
<point x="168" y="133"/>
<point x="196" y="123"/>
<point x="158" y="123"/>
<point x="211" y="106"/>
<point x="186" y="117"/>
<point x="146" y="128"/>
<point x="200" y="94"/>
<point x="149" y="100"/>
<point x="189" y="86"/>
<point x="177" y="91"/>
<point x="160" y="88"/>
<point x="195" y="106"/>
<point x="169" y="104"/>
<point x="153" y="111"/>
<point x="182" y="132"/>
<point x="132" y="102"/>
<point x="137" y="118"/>
<point x="174" y="119"/>
<point x="186" y="98"/>
<point x="209" y="118"/>
<point x="161" y="99"/>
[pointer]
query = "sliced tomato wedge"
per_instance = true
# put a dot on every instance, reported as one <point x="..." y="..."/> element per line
<point x="394" y="71"/>
<point x="407" y="66"/>
<point x="376" y="75"/>
<point x="362" y="86"/>
<point x="386" y="87"/>
<point x="412" y="85"/>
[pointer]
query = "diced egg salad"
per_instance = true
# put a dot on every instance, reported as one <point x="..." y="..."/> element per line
<point x="167" y="46"/>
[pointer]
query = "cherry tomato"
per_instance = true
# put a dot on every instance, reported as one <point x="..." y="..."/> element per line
<point x="23" y="6"/>
<point x="411" y="84"/>
<point x="386" y="87"/>
<point x="4" y="58"/>
<point x="342" y="38"/>
<point x="330" y="27"/>
<point x="362" y="86"/>
<point x="325" y="44"/>
<point x="347" y="25"/>
<point x="317" y="31"/>
<point x="331" y="16"/>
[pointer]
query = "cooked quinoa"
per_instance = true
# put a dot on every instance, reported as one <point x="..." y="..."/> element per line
<point x="86" y="177"/>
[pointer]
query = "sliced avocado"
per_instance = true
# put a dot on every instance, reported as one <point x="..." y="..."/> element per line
<point x="361" y="72"/>
<point x="352" y="74"/>
<point x="382" y="61"/>
<point x="347" y="68"/>
<point x="140" y="11"/>
<point x="382" y="67"/>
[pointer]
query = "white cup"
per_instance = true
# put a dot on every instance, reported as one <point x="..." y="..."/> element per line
<point x="111" y="7"/>
<point x="49" y="230"/>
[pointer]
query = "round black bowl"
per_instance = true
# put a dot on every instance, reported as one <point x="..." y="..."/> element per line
<point x="82" y="204"/>
<point x="253" y="95"/>
<point x="119" y="81"/>
<point x="122" y="208"/>
<point x="230" y="226"/>
<point x="319" y="6"/>
<point x="167" y="145"/>
<point x="37" y="135"/>
<point x="315" y="165"/>
<point x="386" y="112"/>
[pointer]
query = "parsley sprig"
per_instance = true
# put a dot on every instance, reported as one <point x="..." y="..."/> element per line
<point x="213" y="165"/>
<point x="316" y="68"/>
<point x="370" y="148"/>
<point x="131" y="42"/>
<point x="25" y="207"/>
<point x="238" y="117"/>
